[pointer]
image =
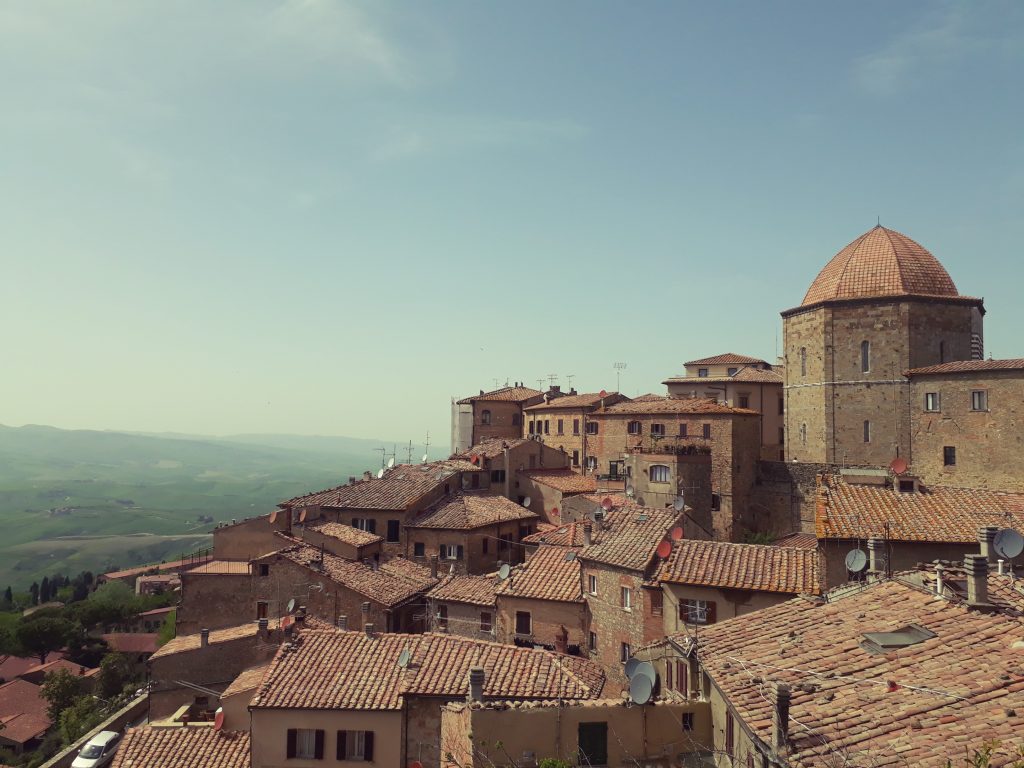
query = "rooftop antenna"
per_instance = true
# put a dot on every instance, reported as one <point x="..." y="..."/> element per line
<point x="540" y="384"/>
<point x="552" y="378"/>
<point x="426" y="447"/>
<point x="408" y="454"/>
<point x="497" y="382"/>
<point x="383" y="455"/>
<point x="619" y="368"/>
<point x="570" y="377"/>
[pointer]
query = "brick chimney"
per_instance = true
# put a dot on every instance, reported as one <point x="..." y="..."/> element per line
<point x="300" y="617"/>
<point x="367" y="475"/>
<point x="780" y="718"/>
<point x="986" y="539"/>
<point x="433" y="566"/>
<point x="343" y="622"/>
<point x="476" y="684"/>
<point x="351" y="479"/>
<point x="368" y="628"/>
<point x="588" y="534"/>
<point x="976" y="567"/>
<point x="876" y="555"/>
<point x="264" y="628"/>
<point x="562" y="641"/>
<point x="365" y="608"/>
<point x="204" y="638"/>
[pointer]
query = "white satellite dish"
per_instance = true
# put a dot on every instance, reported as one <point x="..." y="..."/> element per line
<point x="640" y="689"/>
<point x="380" y="473"/>
<point x="631" y="665"/>
<point x="391" y="462"/>
<point x="504" y="571"/>
<point x="526" y="502"/>
<point x="679" y="503"/>
<point x="404" y="658"/>
<point x="629" y="491"/>
<point x="645" y="670"/>
<point x="424" y="459"/>
<point x="856" y="560"/>
<point x="1008" y="544"/>
<point x="291" y="606"/>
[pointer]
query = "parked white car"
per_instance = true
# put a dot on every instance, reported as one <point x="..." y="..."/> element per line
<point x="98" y="751"/>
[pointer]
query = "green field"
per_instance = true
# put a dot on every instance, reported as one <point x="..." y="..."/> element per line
<point x="84" y="500"/>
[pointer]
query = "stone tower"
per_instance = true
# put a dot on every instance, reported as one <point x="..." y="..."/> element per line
<point x="882" y="305"/>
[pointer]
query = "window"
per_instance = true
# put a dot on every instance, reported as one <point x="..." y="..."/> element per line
<point x="593" y="743"/>
<point x="485" y="417"/>
<point x="483" y="544"/>
<point x="782" y="405"/>
<point x="697" y="611"/>
<point x="657" y="430"/>
<point x="682" y="429"/>
<point x="979" y="400"/>
<point x="561" y="422"/>
<point x="668" y="676"/>
<point x="683" y="683"/>
<point x="547" y="426"/>
<point x="592" y="584"/>
<point x="942" y="351"/>
<point x="867" y="431"/>
<point x="803" y="434"/>
<point x="865" y="356"/>
<point x="575" y="426"/>
<point x="659" y="473"/>
<point x="305" y="743"/>
<point x="531" y="427"/>
<point x="516" y="419"/>
<point x="706" y="431"/>
<point x="591" y="427"/>
<point x="497" y="475"/>
<point x="367" y="524"/>
<point x="731" y="371"/>
<point x="419" y="549"/>
<point x="474" y="480"/>
<point x="264" y="569"/>
<point x="486" y="624"/>
<point x="591" y="462"/>
<point x="262" y="609"/>
<point x="575" y="458"/>
<point x="782" y="435"/>
<point x="633" y="428"/>
<point x="626" y="598"/>
<point x="450" y="551"/>
<point x="803" y="361"/>
<point x="744" y="401"/>
<point x="656" y="602"/>
<point x="702" y="373"/>
<point x="687" y="719"/>
<point x="442" y="617"/>
<point x="716" y="502"/>
<point x="592" y="642"/>
<point x="355" y="745"/>
<point x="730" y="734"/>
<point x="625" y="653"/>
<point x="394" y="529"/>
<point x="931" y="401"/>
<point x="523" y="623"/>
<point x="949" y="456"/>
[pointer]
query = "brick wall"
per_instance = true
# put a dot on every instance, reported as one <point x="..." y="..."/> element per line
<point x="548" y="617"/>
<point x="463" y="619"/>
<point x="475" y="560"/>
<point x="506" y="420"/>
<point x="249" y="538"/>
<point x="213" y="601"/>
<point x="784" y="497"/>
<point x="613" y="624"/>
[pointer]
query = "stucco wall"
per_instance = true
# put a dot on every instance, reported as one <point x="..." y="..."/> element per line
<point x="270" y="735"/>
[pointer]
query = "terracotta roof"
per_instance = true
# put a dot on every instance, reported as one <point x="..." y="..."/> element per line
<point x="186" y="643"/>
<point x="175" y="565"/>
<point x="935" y="514"/>
<point x="134" y="642"/>
<point x="801" y="540"/>
<point x="634" y="536"/>
<point x="399" y="489"/>
<point x="157" y="611"/>
<point x="727" y="358"/>
<point x="756" y="567"/>
<point x="491" y="447"/>
<point x="747" y="375"/>
<point x="188" y="747"/>
<point x="920" y="706"/>
<point x="681" y="405"/>
<point x="550" y="573"/>
<point x="881" y="262"/>
<point x="15" y="666"/>
<point x="347" y="534"/>
<point x="56" y="664"/>
<point x="466" y="512"/>
<point x="22" y="712"/>
<point x="620" y="520"/>
<point x="458" y="588"/>
<point x="248" y="680"/>
<point x="505" y="394"/>
<point x="351" y="670"/>
<point x="968" y="366"/>
<point x="584" y="401"/>
<point x="564" y="480"/>
<point x="393" y="583"/>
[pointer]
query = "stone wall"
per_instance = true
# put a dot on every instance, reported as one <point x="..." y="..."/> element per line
<point x="611" y="623"/>
<point x="463" y="619"/>
<point x="214" y="601"/>
<point x="547" y="616"/>
<point x="484" y="549"/>
<point x="784" y="497"/>
<point x="249" y="538"/>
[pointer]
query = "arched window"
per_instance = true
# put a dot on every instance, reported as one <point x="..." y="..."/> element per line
<point x="803" y="361"/>
<point x="659" y="473"/>
<point x="485" y="417"/>
<point x="803" y="434"/>
<point x="634" y="428"/>
<point x="865" y="356"/>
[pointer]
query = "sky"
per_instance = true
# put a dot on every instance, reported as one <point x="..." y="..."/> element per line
<point x="329" y="217"/>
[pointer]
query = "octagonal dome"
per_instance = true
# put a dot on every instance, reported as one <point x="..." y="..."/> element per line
<point x="879" y="263"/>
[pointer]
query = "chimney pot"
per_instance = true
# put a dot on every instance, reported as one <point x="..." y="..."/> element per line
<point x="976" y="567"/>
<point x="367" y="475"/>
<point x="476" y="684"/>
<point x="939" y="583"/>
<point x="343" y="622"/>
<point x="351" y="479"/>
<point x="876" y="555"/>
<point x="986" y="538"/>
<point x="588" y="534"/>
<point x="204" y="637"/>
<point x="368" y="628"/>
<point x="780" y="718"/>
<point x="264" y="625"/>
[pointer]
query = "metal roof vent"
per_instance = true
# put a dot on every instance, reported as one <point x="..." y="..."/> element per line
<point x="880" y="643"/>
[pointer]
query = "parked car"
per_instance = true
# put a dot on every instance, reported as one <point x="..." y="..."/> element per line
<point x="98" y="751"/>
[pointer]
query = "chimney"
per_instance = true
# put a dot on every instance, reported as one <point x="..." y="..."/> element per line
<point x="351" y="479"/>
<point x="367" y="475"/>
<point x="588" y="534"/>
<point x="939" y="582"/>
<point x="433" y="566"/>
<point x="204" y="637"/>
<point x="365" y="607"/>
<point x="780" y="718"/>
<point x="876" y="555"/>
<point x="986" y="537"/>
<point x="343" y="623"/>
<point x="557" y="389"/>
<point x="976" y="567"/>
<point x="476" y="684"/>
<point x="300" y="616"/>
<point x="368" y="628"/>
<point x="264" y="628"/>
<point x="562" y="641"/>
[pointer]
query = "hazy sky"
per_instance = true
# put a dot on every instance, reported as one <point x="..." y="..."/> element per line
<point x="330" y="217"/>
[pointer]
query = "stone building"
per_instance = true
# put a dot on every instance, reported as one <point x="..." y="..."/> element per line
<point x="495" y="414"/>
<point x="563" y="422"/>
<point x="464" y="605"/>
<point x="547" y="489"/>
<point x="500" y="461"/>
<point x="881" y="306"/>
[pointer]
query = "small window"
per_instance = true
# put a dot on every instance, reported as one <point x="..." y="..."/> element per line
<point x="305" y="744"/>
<point x="592" y="584"/>
<point x="949" y="456"/>
<point x="394" y="531"/>
<point x="716" y="502"/>
<point x="803" y="434"/>
<point x="865" y="356"/>
<point x="657" y="430"/>
<point x="706" y="431"/>
<point x="419" y="549"/>
<point x="591" y="427"/>
<point x="782" y="435"/>
<point x="732" y="371"/>
<point x="442" y="617"/>
<point x="867" y="431"/>
<point x="782" y="406"/>
<point x="931" y="401"/>
<point x="485" y="417"/>
<point x="591" y="462"/>
<point x="592" y="642"/>
<point x="547" y="426"/>
<point x="626" y="598"/>
<point x="634" y="428"/>
<point x="524" y="625"/>
<point x="942" y="351"/>
<point x="497" y="475"/>
<point x="979" y="400"/>
<point x="355" y="745"/>
<point x="744" y="401"/>
<point x="687" y="721"/>
<point x="702" y="373"/>
<point x="697" y="611"/>
<point x="561" y="422"/>
<point x="575" y="426"/>
<point x="575" y="458"/>
<point x="625" y="653"/>
<point x="262" y="609"/>
<point x="484" y="544"/>
<point x="730" y="734"/>
<point x="530" y="427"/>
<point x="682" y="429"/>
<point x="486" y="622"/>
<point x="264" y="569"/>
<point x="803" y="361"/>
<point x="659" y="473"/>
<point x="656" y="602"/>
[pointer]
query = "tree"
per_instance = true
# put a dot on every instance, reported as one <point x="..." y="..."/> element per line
<point x="114" y="673"/>
<point x="80" y="717"/>
<point x="44" y="590"/>
<point x="34" y="591"/>
<point x="167" y="629"/>
<point x="8" y="596"/>
<point x="60" y="689"/>
<point x="40" y="636"/>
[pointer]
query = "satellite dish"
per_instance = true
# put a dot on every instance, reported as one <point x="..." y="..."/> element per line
<point x="302" y="516"/>
<point x="415" y="764"/>
<point x="404" y="658"/>
<point x="391" y="462"/>
<point x="898" y="465"/>
<point x="474" y="459"/>
<point x="424" y="458"/>
<point x="218" y="719"/>
<point x="286" y="622"/>
<point x="273" y="517"/>
<point x="291" y="605"/>
<point x="664" y="549"/>
<point x="504" y="572"/>
<point x="677" y="534"/>
<point x="554" y="511"/>
<point x="645" y="670"/>
<point x="569" y="556"/>
<point x="1008" y="544"/>
<point x="526" y="502"/>
<point x="380" y="473"/>
<point x="856" y="560"/>
<point x="602" y="393"/>
<point x="679" y="504"/>
<point x="629" y="491"/>
<point x="606" y="503"/>
<point x="640" y="689"/>
<point x="631" y="665"/>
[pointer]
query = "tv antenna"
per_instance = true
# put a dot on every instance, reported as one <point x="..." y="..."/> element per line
<point x="619" y="368"/>
<point x="552" y="378"/>
<point x="426" y="447"/>
<point x="540" y="384"/>
<point x="383" y="455"/>
<point x="408" y="453"/>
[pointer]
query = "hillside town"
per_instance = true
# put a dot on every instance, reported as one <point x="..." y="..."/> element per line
<point x="806" y="561"/>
